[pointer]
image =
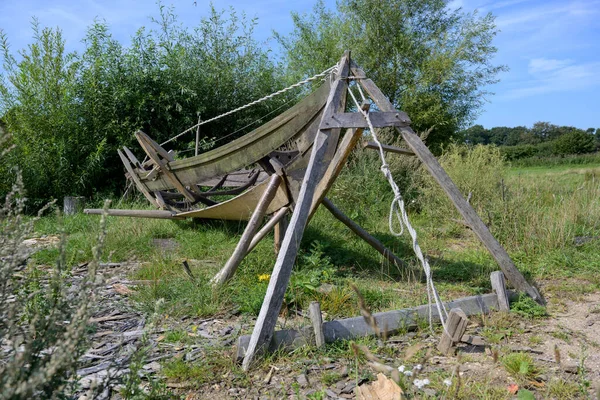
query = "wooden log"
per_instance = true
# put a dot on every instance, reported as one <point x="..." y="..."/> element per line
<point x="456" y="325"/>
<point x="391" y="322"/>
<point x="73" y="204"/>
<point x="267" y="318"/>
<point x="361" y="233"/>
<point x="388" y="149"/>
<point x="356" y="120"/>
<point x="498" y="285"/>
<point x="273" y="222"/>
<point x="280" y="229"/>
<point x="160" y="214"/>
<point x="464" y="208"/>
<point x="242" y="247"/>
<point x="317" y="322"/>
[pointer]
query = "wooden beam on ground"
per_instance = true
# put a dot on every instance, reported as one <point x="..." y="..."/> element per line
<point x="242" y="247"/>
<point x="160" y="214"/>
<point x="498" y="285"/>
<point x="464" y="208"/>
<point x="267" y="318"/>
<point x="456" y="325"/>
<point x="387" y="148"/>
<point x="273" y="222"/>
<point x="360" y="232"/>
<point x="317" y="322"/>
<point x="389" y="322"/>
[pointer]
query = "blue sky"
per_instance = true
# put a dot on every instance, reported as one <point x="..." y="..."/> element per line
<point x="552" y="47"/>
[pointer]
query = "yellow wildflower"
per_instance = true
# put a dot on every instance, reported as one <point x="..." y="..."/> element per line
<point x="264" y="277"/>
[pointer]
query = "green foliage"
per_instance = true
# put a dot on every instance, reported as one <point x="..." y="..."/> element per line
<point x="576" y="142"/>
<point x="68" y="112"/>
<point x="527" y="307"/>
<point x="430" y="61"/>
<point x="521" y="366"/>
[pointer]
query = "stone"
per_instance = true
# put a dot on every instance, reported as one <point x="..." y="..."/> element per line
<point x="302" y="380"/>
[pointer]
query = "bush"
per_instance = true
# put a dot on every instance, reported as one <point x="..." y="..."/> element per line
<point x="576" y="142"/>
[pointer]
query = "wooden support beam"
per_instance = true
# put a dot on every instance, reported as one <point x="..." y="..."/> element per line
<point x="456" y="325"/>
<point x="390" y="321"/>
<point x="279" y="233"/>
<point x="317" y="322"/>
<point x="356" y="120"/>
<point x="387" y="148"/>
<point x="278" y="216"/>
<point x="160" y="214"/>
<point x="498" y="285"/>
<point x="136" y="179"/>
<point x="360" y="232"/>
<point x="464" y="208"/>
<point x="242" y="247"/>
<point x="267" y="318"/>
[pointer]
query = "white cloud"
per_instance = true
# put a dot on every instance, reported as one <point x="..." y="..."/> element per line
<point x="537" y="65"/>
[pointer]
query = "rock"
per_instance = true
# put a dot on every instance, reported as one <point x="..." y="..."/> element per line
<point x="570" y="368"/>
<point x="302" y="380"/>
<point x="344" y="371"/>
<point x="349" y="387"/>
<point x="331" y="393"/>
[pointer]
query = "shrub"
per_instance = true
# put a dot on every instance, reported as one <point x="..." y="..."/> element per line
<point x="576" y="142"/>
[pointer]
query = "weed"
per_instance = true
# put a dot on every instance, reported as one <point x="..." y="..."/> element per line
<point x="536" y="340"/>
<point x="562" y="389"/>
<point x="521" y="366"/>
<point x="527" y="307"/>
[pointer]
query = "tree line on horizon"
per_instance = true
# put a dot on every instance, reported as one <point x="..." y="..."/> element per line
<point x="543" y="139"/>
<point x="68" y="112"/>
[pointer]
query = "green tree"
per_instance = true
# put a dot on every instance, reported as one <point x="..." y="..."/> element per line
<point x="575" y="142"/>
<point x="432" y="62"/>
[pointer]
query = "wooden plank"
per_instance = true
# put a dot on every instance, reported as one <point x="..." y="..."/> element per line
<point x="160" y="214"/>
<point x="498" y="285"/>
<point x="242" y="247"/>
<point x="133" y="158"/>
<point x="250" y="148"/>
<point x="155" y="152"/>
<point x="391" y="322"/>
<point x="136" y="179"/>
<point x="267" y="318"/>
<point x="317" y="322"/>
<point x="364" y="235"/>
<point x="456" y="325"/>
<point x="388" y="149"/>
<point x="356" y="120"/>
<point x="464" y="208"/>
<point x="278" y="216"/>
<point x="240" y="208"/>
<point x="279" y="233"/>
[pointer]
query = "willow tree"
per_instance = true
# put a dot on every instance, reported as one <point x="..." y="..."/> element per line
<point x="431" y="61"/>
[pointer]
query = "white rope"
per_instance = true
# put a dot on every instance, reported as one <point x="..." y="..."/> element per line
<point x="398" y="208"/>
<point x="255" y="102"/>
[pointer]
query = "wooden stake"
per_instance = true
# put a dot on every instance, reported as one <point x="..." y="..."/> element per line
<point x="497" y="278"/>
<point x="361" y="233"/>
<point x="273" y="222"/>
<point x="267" y="318"/>
<point x="464" y="208"/>
<point x="242" y="247"/>
<point x="280" y="229"/>
<point x="317" y="322"/>
<point x="456" y="325"/>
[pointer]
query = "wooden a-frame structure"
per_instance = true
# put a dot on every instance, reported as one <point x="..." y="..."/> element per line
<point x="296" y="157"/>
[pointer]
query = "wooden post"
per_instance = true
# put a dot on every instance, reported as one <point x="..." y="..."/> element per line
<point x="317" y="322"/>
<point x="360" y="232"/>
<point x="456" y="325"/>
<point x="498" y="285"/>
<point x="72" y="205"/>
<point x="468" y="213"/>
<point x="242" y="247"/>
<point x="279" y="232"/>
<point x="267" y="318"/>
<point x="136" y="179"/>
<point x="273" y="222"/>
<point x="198" y="135"/>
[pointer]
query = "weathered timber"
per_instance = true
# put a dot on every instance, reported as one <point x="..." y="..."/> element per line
<point x="279" y="233"/>
<point x="498" y="285"/>
<point x="133" y="158"/>
<point x="275" y="219"/>
<point x="249" y="148"/>
<point x="242" y="248"/>
<point x="456" y="325"/>
<point x="468" y="213"/>
<point x="388" y="149"/>
<point x="390" y="322"/>
<point x="160" y="214"/>
<point x="360" y="232"/>
<point x="73" y="204"/>
<point x="267" y="318"/>
<point x="235" y="191"/>
<point x="316" y="319"/>
<point x="141" y="186"/>
<point x="356" y="120"/>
